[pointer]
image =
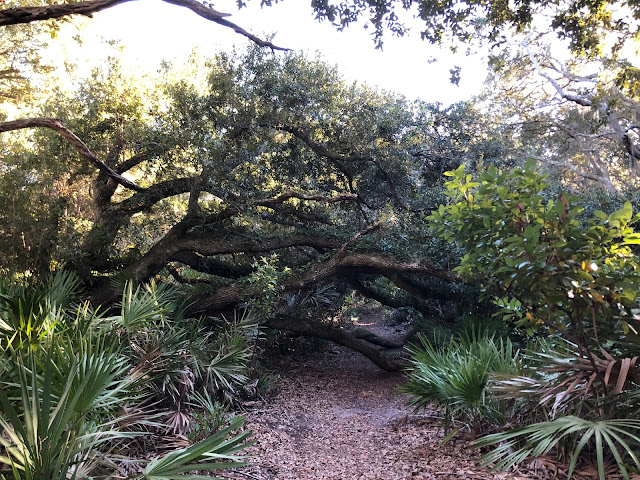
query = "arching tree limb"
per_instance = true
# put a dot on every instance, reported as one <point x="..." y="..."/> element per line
<point x="383" y="296"/>
<point x="343" y="264"/>
<point x="369" y="336"/>
<point x="318" y="148"/>
<point x="15" y="16"/>
<point x="74" y="140"/>
<point x="337" y="335"/>
<point x="212" y="266"/>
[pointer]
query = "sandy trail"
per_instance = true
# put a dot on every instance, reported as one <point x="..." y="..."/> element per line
<point x="337" y="416"/>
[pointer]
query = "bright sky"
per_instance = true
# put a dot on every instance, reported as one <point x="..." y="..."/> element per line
<point x="153" y="30"/>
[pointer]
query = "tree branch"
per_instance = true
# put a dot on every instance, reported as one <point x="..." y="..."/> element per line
<point x="318" y="329"/>
<point x="180" y="279"/>
<point x="318" y="148"/>
<point x="571" y="167"/>
<point x="572" y="97"/>
<point x="337" y="265"/>
<point x="152" y="195"/>
<point x="131" y="162"/>
<point x="382" y="295"/>
<point x="74" y="140"/>
<point x="211" y="266"/>
<point x="387" y="343"/>
<point x="372" y="228"/>
<point x="283" y="197"/>
<point x="15" y="16"/>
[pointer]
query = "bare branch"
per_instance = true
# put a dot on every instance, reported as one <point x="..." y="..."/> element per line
<point x="152" y="195"/>
<point x="175" y="273"/>
<point x="217" y="17"/>
<point x="15" y="16"/>
<point x="74" y="140"/>
<point x="318" y="329"/>
<point x="571" y="167"/>
<point x="572" y="97"/>
<point x="133" y="161"/>
<point x="372" y="228"/>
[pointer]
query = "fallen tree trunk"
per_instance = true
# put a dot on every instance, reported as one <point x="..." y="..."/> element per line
<point x="337" y="335"/>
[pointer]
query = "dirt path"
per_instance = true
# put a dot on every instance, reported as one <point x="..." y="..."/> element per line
<point x="337" y="416"/>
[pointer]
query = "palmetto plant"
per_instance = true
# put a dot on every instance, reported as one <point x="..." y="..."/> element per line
<point x="581" y="411"/>
<point x="205" y="455"/>
<point x="455" y="376"/>
<point x="71" y="396"/>
<point x="618" y="437"/>
<point x="28" y="314"/>
<point x="563" y="382"/>
<point x="51" y="427"/>
<point x="144" y="306"/>
<point x="221" y="360"/>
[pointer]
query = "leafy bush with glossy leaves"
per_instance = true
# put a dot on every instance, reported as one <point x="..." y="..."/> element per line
<point x="555" y="273"/>
<point x="537" y="262"/>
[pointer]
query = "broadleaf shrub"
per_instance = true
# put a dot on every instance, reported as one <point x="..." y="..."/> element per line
<point x="557" y="275"/>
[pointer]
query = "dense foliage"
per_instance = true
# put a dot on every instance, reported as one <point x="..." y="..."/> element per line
<point x="267" y="186"/>
<point x="540" y="263"/>
<point x="257" y="155"/>
<point x="86" y="395"/>
<point x="568" y="280"/>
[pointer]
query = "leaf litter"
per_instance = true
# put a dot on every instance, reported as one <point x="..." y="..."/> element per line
<point x="336" y="416"/>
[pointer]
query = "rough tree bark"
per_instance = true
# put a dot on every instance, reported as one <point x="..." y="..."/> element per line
<point x="345" y="264"/>
<point x="369" y="336"/>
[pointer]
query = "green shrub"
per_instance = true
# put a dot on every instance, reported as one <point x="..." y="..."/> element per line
<point x="555" y="273"/>
<point x="620" y="438"/>
<point x="73" y="392"/>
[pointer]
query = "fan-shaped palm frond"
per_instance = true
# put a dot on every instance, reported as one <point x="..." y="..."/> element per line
<point x="618" y="438"/>
<point x="145" y="306"/>
<point x="455" y="377"/>
<point x="50" y="434"/>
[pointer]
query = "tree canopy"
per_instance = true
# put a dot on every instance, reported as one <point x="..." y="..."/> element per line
<point x="262" y="183"/>
<point x="271" y="170"/>
<point x="584" y="24"/>
<point x="268" y="156"/>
